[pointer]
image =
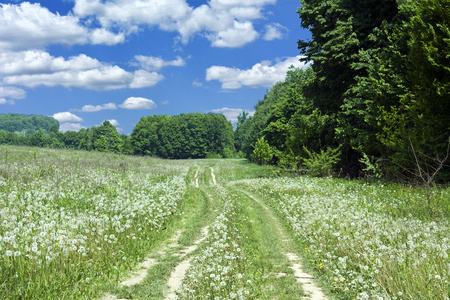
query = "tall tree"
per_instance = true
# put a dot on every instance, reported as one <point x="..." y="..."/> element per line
<point x="407" y="86"/>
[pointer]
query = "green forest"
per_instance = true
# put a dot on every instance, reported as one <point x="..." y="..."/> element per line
<point x="179" y="137"/>
<point x="24" y="125"/>
<point x="374" y="101"/>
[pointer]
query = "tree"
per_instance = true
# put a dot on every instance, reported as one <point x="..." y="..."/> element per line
<point x="183" y="136"/>
<point x="262" y="153"/>
<point x="407" y="87"/>
<point x="26" y="123"/>
<point x="241" y="132"/>
<point x="341" y="30"/>
<point x="106" y="138"/>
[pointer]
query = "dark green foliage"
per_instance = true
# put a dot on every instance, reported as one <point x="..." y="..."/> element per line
<point x="407" y="87"/>
<point x="185" y="136"/>
<point x="26" y="124"/>
<point x="378" y="87"/>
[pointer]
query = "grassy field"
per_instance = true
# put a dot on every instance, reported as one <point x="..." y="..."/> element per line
<point x="75" y="225"/>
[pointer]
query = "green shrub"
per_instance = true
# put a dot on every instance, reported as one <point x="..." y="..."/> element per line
<point x="263" y="153"/>
<point x="322" y="164"/>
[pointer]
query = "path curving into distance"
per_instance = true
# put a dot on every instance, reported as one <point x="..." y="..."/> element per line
<point x="161" y="274"/>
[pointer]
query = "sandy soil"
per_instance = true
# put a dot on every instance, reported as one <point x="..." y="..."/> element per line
<point x="177" y="276"/>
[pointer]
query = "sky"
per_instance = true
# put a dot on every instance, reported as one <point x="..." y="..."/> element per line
<point x="87" y="61"/>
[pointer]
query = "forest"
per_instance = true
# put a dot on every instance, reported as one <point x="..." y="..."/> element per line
<point x="373" y="101"/>
<point x="24" y="125"/>
<point x="179" y="137"/>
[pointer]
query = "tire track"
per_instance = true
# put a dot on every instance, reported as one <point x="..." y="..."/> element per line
<point x="176" y="277"/>
<point x="304" y="279"/>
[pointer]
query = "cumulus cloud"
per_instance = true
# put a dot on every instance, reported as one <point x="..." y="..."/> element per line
<point x="105" y="37"/>
<point x="152" y="63"/>
<point x="114" y="122"/>
<point x="231" y="114"/>
<point x="70" y="127"/>
<point x="262" y="74"/>
<point x="226" y="23"/>
<point x="67" y="117"/>
<point x="9" y="93"/>
<point x="138" y="103"/>
<point x="36" y="61"/>
<point x="143" y="79"/>
<point x="30" y="26"/>
<point x="38" y="68"/>
<point x="95" y="108"/>
<point x="274" y="31"/>
<point x="239" y="35"/>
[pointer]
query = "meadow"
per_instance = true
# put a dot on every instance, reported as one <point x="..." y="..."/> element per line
<point x="71" y="220"/>
<point x="74" y="224"/>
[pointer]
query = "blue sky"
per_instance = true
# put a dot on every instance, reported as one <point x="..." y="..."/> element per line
<point x="86" y="61"/>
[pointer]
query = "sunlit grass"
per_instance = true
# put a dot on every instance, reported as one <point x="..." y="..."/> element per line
<point x="70" y="220"/>
<point x="369" y="241"/>
<point x="219" y="271"/>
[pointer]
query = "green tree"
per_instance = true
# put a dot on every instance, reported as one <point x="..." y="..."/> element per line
<point x="406" y="90"/>
<point x="241" y="132"/>
<point x="106" y="138"/>
<point x="262" y="153"/>
<point x="19" y="123"/>
<point x="341" y="31"/>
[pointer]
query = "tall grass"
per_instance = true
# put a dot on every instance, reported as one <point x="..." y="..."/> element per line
<point x="368" y="241"/>
<point x="71" y="221"/>
<point x="219" y="271"/>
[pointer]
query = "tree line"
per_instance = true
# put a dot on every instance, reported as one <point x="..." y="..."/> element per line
<point x="185" y="136"/>
<point x="26" y="124"/>
<point x="375" y="99"/>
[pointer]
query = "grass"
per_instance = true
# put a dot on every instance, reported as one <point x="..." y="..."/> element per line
<point x="90" y="216"/>
<point x="367" y="241"/>
<point x="73" y="224"/>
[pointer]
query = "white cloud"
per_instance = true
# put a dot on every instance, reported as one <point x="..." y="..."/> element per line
<point x="239" y="35"/>
<point x="260" y="75"/>
<point x="35" y="62"/>
<point x="67" y="117"/>
<point x="197" y="83"/>
<point x="11" y="93"/>
<point x="70" y="127"/>
<point x="152" y="63"/>
<point x="95" y="108"/>
<point x="30" y="26"/>
<point x="231" y="114"/>
<point x="143" y="79"/>
<point x="164" y="13"/>
<point x="226" y="23"/>
<point x="274" y="31"/>
<point x="138" y="103"/>
<point x="103" y="36"/>
<point x="37" y="68"/>
<point x="165" y="102"/>
<point x="114" y="122"/>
